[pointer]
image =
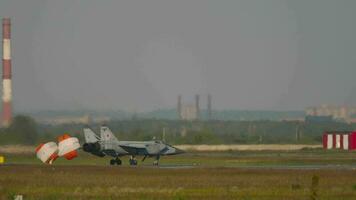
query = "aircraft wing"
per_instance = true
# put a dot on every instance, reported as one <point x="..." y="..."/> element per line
<point x="134" y="150"/>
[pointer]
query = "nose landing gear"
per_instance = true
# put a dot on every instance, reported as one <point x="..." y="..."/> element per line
<point x="133" y="161"/>
<point x="155" y="163"/>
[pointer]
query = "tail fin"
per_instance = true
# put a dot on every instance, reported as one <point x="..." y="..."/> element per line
<point x="90" y="136"/>
<point x="106" y="134"/>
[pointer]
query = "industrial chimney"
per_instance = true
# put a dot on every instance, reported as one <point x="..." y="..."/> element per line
<point x="197" y="106"/>
<point x="179" y="106"/>
<point x="6" y="73"/>
<point x="209" y="107"/>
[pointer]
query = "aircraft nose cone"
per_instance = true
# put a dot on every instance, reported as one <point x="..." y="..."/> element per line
<point x="179" y="151"/>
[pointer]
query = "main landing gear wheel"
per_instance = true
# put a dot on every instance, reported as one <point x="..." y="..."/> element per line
<point x="115" y="161"/>
<point x="118" y="161"/>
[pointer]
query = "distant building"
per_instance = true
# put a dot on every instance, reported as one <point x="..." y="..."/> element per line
<point x="189" y="112"/>
<point x="192" y="111"/>
<point x="343" y="113"/>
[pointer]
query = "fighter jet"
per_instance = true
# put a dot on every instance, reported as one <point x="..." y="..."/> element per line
<point x="108" y="145"/>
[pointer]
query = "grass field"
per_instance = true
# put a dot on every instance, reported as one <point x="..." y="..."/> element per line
<point x="304" y="174"/>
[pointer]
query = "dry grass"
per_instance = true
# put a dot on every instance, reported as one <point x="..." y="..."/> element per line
<point x="219" y="175"/>
<point x="91" y="182"/>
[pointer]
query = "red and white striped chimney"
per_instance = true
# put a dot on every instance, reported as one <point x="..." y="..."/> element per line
<point x="6" y="73"/>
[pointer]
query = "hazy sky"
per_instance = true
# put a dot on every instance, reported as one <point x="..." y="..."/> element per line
<point x="139" y="55"/>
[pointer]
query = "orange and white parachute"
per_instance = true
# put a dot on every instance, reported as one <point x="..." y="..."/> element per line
<point x="47" y="152"/>
<point x="67" y="147"/>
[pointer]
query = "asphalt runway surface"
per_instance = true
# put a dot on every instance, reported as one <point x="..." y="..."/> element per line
<point x="184" y="166"/>
<point x="295" y="167"/>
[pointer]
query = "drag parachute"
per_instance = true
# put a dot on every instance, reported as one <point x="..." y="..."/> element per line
<point x="47" y="152"/>
<point x="67" y="146"/>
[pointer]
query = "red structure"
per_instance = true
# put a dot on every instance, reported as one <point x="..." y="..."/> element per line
<point x="6" y="73"/>
<point x="325" y="140"/>
<point x="352" y="140"/>
<point x="339" y="140"/>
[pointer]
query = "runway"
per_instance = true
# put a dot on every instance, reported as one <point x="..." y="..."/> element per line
<point x="187" y="166"/>
<point x="276" y="167"/>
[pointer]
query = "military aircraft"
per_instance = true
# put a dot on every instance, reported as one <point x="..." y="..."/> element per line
<point x="108" y="144"/>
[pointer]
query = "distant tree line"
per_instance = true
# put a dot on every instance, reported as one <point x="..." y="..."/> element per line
<point x="24" y="130"/>
<point x="171" y="114"/>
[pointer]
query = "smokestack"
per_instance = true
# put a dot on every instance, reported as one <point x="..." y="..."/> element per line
<point x="197" y="105"/>
<point x="209" y="107"/>
<point x="179" y="106"/>
<point x="6" y="73"/>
